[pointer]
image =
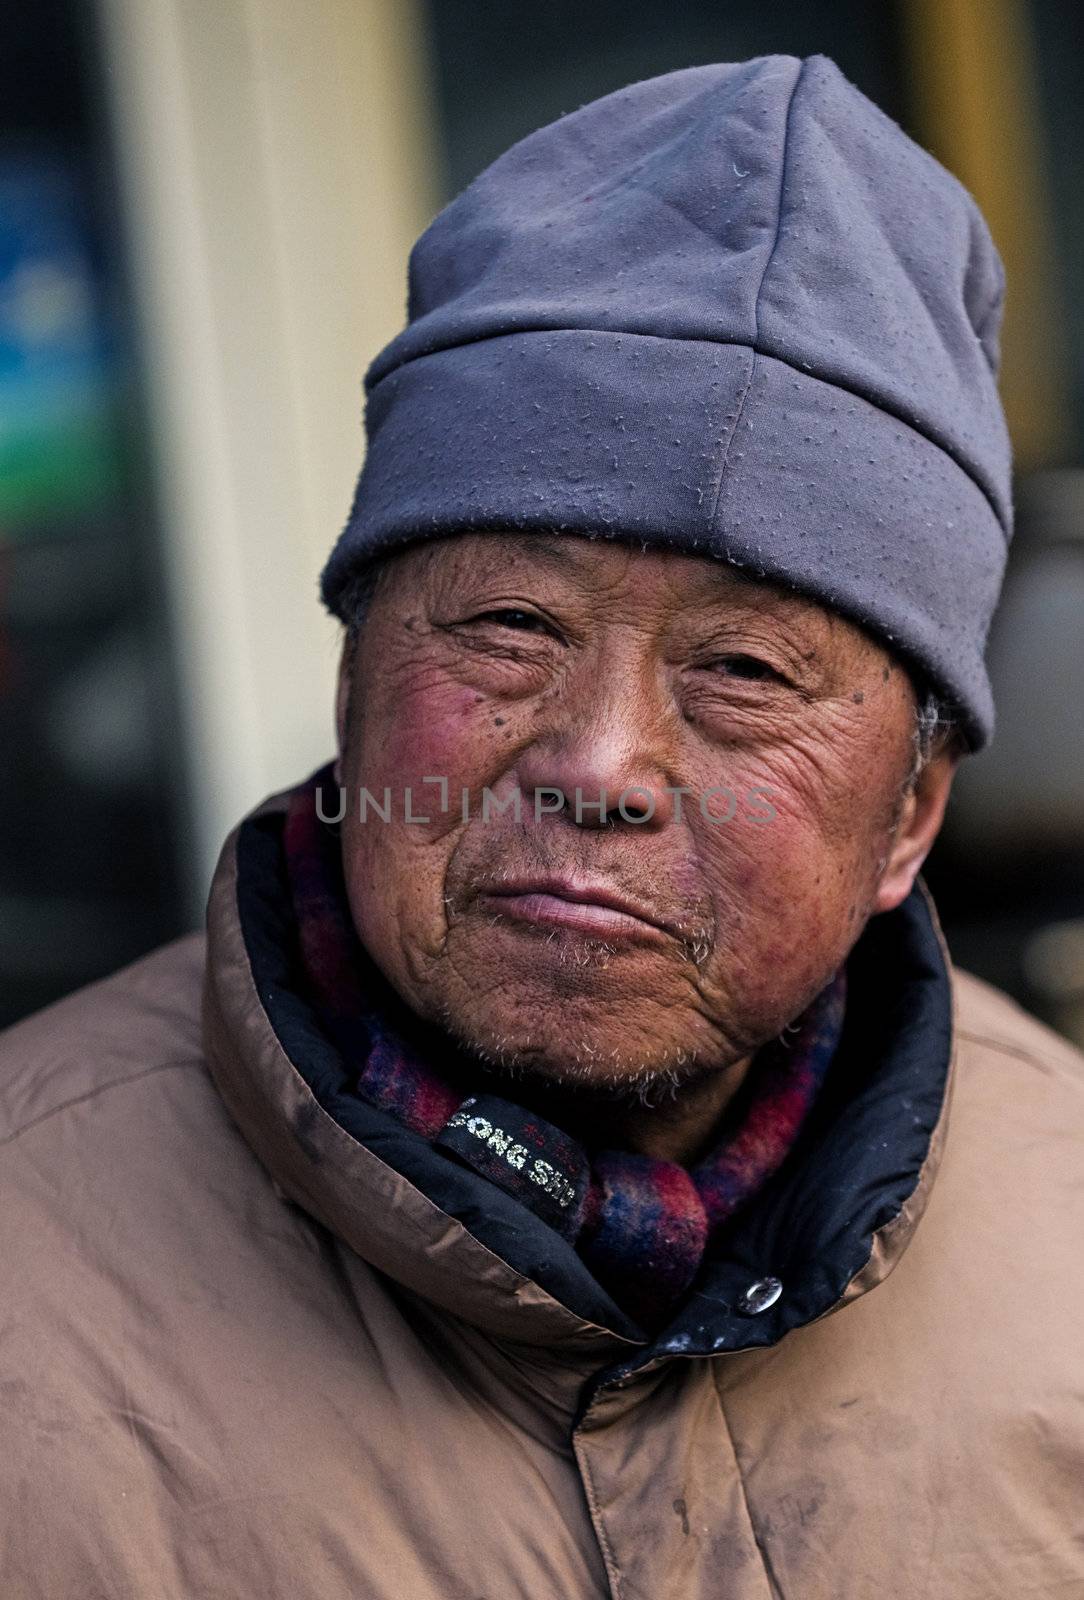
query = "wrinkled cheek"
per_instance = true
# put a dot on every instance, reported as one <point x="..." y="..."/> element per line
<point x="781" y="911"/>
<point x="435" y="734"/>
<point x="402" y="826"/>
<point x="419" y="754"/>
<point x="394" y="880"/>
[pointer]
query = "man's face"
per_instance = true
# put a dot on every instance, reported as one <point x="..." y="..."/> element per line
<point x="761" y="746"/>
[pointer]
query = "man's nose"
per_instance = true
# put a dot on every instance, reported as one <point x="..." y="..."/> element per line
<point x="602" y="763"/>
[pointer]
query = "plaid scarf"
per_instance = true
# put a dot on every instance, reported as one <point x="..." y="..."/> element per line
<point x="641" y="1225"/>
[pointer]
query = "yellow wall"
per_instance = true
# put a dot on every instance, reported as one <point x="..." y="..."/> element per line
<point x="973" y="76"/>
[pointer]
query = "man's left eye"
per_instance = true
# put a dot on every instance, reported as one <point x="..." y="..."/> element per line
<point x="749" y="667"/>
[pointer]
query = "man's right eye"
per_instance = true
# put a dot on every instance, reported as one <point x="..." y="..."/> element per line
<point x="512" y="617"/>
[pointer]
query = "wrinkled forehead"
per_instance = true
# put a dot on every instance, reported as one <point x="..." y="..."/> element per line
<point x="612" y="580"/>
<point x="592" y="565"/>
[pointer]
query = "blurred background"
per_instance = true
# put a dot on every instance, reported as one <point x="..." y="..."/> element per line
<point x="205" y="212"/>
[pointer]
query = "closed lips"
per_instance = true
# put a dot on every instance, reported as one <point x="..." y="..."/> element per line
<point x="590" y="908"/>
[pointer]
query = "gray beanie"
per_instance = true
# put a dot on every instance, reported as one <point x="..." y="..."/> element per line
<point x="733" y="310"/>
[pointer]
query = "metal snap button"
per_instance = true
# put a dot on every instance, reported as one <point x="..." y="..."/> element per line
<point x="761" y="1294"/>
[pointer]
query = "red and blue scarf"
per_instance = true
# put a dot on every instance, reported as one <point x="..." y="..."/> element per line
<point x="643" y="1226"/>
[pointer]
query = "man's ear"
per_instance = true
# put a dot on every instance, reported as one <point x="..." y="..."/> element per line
<point x="920" y="822"/>
<point x="343" y="687"/>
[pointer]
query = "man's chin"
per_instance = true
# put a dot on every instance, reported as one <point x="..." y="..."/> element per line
<point x="581" y="1054"/>
<point x="546" y="968"/>
<point x="577" y="1012"/>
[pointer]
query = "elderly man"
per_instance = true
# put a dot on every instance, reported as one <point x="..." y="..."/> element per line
<point x="571" y="1165"/>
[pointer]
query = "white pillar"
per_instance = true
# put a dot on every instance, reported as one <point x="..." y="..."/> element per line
<point x="275" y="169"/>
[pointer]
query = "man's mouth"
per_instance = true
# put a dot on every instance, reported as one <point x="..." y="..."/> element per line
<point x="578" y="905"/>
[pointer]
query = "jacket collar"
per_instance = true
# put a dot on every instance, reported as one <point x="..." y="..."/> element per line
<point x="830" y="1226"/>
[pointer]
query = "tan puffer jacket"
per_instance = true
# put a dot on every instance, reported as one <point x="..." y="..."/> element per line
<point x="259" y="1343"/>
